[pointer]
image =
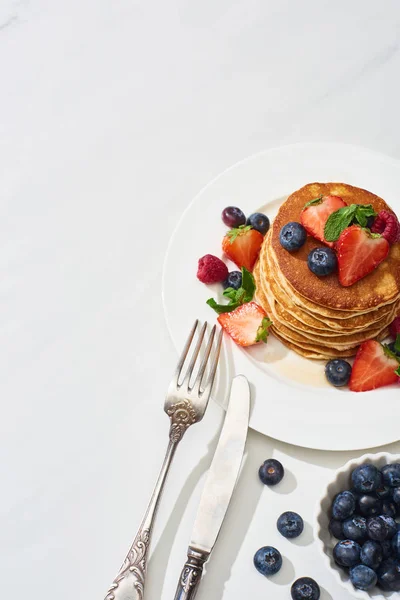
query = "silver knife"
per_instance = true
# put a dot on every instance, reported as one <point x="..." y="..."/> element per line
<point x="218" y="488"/>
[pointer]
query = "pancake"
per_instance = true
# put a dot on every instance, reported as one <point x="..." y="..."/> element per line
<point x="380" y="287"/>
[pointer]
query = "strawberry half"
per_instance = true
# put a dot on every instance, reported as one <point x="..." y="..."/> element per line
<point x="247" y="325"/>
<point x="314" y="216"/>
<point x="359" y="252"/>
<point x="374" y="366"/>
<point x="242" y="245"/>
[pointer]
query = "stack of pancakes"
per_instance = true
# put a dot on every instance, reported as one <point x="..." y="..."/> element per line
<point x="316" y="316"/>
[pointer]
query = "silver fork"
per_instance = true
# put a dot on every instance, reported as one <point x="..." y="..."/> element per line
<point x="185" y="405"/>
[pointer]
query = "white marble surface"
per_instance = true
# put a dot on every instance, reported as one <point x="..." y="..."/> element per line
<point x="113" y="115"/>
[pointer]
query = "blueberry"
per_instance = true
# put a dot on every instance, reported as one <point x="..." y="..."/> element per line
<point x="234" y="280"/>
<point x="267" y="560"/>
<point x="369" y="505"/>
<point x="391" y="475"/>
<point x="384" y="492"/>
<point x="337" y="372"/>
<point x="292" y="236"/>
<point x="343" y="506"/>
<point x="396" y="544"/>
<point x="305" y="588"/>
<point x="290" y="524"/>
<point x="389" y="575"/>
<point x="372" y="554"/>
<point x="386" y="548"/>
<point x="370" y="222"/>
<point x="355" y="529"/>
<point x="377" y="529"/>
<point x="336" y="529"/>
<point x="366" y="478"/>
<point x="347" y="553"/>
<point x="259" y="222"/>
<point x="363" y="578"/>
<point x="322" y="261"/>
<point x="271" y="472"/>
<point x="232" y="216"/>
<point x="390" y="524"/>
<point x="389" y="508"/>
<point x="396" y="495"/>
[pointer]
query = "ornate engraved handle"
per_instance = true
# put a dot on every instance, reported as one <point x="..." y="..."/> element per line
<point x="190" y="578"/>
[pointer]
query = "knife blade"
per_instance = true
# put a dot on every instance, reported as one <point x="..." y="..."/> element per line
<point x="218" y="488"/>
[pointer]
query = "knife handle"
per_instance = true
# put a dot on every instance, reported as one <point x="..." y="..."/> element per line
<point x="190" y="577"/>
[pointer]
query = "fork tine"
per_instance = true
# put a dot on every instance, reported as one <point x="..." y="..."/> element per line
<point x="194" y="355"/>
<point x="208" y="388"/>
<point x="185" y="351"/>
<point x="199" y="378"/>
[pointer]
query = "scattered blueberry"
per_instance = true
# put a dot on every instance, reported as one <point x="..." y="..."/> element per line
<point x="386" y="548"/>
<point x="271" y="472"/>
<point x="396" y="544"/>
<point x="292" y="236"/>
<point x="267" y="560"/>
<point x="234" y="280"/>
<point x="389" y="575"/>
<point x="336" y="529"/>
<point x="366" y="478"/>
<point x="391" y="475"/>
<point x="369" y="505"/>
<point x="343" y="506"/>
<point x="396" y="495"/>
<point x="377" y="529"/>
<point x="259" y="222"/>
<point x="322" y="261"/>
<point x="390" y="524"/>
<point x="232" y="216"/>
<point x="384" y="493"/>
<point x="305" y="588"/>
<point x="389" y="508"/>
<point x="337" y="372"/>
<point x="355" y="529"/>
<point x="290" y="524"/>
<point x="347" y="553"/>
<point x="363" y="578"/>
<point x="372" y="554"/>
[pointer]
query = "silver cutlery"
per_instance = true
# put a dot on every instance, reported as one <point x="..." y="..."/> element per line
<point x="218" y="488"/>
<point x="185" y="404"/>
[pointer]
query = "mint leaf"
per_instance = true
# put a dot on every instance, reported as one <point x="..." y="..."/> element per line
<point x="389" y="352"/>
<point x="313" y="202"/>
<point x="262" y="331"/>
<point x="233" y="233"/>
<point x="222" y="308"/>
<point x="337" y="221"/>
<point x="397" y="371"/>
<point x="363" y="212"/>
<point x="236" y="297"/>
<point x="397" y="343"/>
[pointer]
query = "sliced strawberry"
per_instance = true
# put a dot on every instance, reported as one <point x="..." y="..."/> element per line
<point x="242" y="245"/>
<point x="247" y="325"/>
<point x="314" y="216"/>
<point x="373" y="367"/>
<point x="359" y="252"/>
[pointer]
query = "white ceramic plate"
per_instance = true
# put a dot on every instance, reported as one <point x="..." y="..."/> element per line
<point x="291" y="399"/>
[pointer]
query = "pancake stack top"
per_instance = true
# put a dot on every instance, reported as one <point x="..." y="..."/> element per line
<point x="318" y="317"/>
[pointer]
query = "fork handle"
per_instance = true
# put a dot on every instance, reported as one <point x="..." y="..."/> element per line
<point x="130" y="580"/>
<point x="190" y="577"/>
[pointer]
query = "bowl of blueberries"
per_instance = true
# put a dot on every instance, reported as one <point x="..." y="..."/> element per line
<point x="358" y="526"/>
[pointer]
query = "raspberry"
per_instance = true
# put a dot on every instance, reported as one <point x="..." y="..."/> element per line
<point x="211" y="269"/>
<point x="395" y="327"/>
<point x="387" y="224"/>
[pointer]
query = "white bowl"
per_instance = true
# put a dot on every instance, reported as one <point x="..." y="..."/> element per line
<point x="322" y="517"/>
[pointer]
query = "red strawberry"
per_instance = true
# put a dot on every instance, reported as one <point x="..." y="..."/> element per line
<point x="372" y="368"/>
<point x="211" y="269"/>
<point x="387" y="224"/>
<point x="247" y="325"/>
<point x="359" y="253"/>
<point x="395" y="327"/>
<point x="314" y="217"/>
<point x="242" y="245"/>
